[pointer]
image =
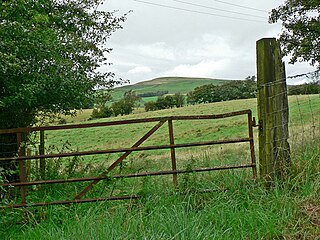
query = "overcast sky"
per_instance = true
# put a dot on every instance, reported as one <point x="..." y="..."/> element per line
<point x="206" y="39"/>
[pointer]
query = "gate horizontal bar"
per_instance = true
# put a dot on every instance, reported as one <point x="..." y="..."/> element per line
<point x="71" y="201"/>
<point x="133" y="175"/>
<point x="87" y="153"/>
<point x="123" y="122"/>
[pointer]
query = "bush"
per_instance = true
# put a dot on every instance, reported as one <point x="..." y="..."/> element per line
<point x="102" y="112"/>
<point x="126" y="105"/>
<point x="122" y="107"/>
<point x="169" y="101"/>
<point x="150" y="106"/>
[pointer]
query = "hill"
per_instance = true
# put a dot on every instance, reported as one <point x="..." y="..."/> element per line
<point x="171" y="84"/>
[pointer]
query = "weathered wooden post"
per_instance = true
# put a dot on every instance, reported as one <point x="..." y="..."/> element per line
<point x="22" y="166"/>
<point x="273" y="111"/>
<point x="42" y="152"/>
<point x="173" y="152"/>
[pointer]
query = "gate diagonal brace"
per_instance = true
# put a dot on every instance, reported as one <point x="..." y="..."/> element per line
<point x="120" y="159"/>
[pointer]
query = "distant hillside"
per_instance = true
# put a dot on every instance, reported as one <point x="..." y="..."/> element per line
<point x="171" y="84"/>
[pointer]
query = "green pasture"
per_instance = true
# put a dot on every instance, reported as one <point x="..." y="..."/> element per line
<point x="215" y="205"/>
<point x="304" y="118"/>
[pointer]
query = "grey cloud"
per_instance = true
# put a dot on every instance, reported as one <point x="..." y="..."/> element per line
<point x="168" y="41"/>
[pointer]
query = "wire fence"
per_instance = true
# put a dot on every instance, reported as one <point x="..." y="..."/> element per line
<point x="304" y="115"/>
<point x="296" y="123"/>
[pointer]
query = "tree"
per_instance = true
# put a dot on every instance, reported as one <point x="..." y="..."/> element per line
<point x="231" y="90"/>
<point x="204" y="94"/>
<point x="131" y="97"/>
<point x="165" y="102"/>
<point x="300" y="37"/>
<point x="240" y="89"/>
<point x="50" y="51"/>
<point x="178" y="100"/>
<point x="126" y="105"/>
<point x="101" y="109"/>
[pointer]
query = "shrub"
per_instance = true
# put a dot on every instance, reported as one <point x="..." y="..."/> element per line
<point x="150" y="106"/>
<point x="122" y="107"/>
<point x="169" y="101"/>
<point x="102" y="112"/>
<point x="126" y="105"/>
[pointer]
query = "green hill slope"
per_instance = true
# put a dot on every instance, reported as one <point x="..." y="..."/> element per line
<point x="171" y="84"/>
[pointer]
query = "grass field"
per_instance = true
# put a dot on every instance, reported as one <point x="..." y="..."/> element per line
<point x="236" y="207"/>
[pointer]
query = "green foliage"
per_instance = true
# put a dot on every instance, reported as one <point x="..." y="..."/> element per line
<point x="126" y="105"/>
<point x="203" y="94"/>
<point x="8" y="148"/>
<point x="179" y="100"/>
<point x="300" y="37"/>
<point x="306" y="88"/>
<point x="102" y="112"/>
<point x="169" y="101"/>
<point x="122" y="107"/>
<point x="150" y="106"/>
<point x="165" y="102"/>
<point x="229" y="91"/>
<point x="191" y="97"/>
<point x="49" y="53"/>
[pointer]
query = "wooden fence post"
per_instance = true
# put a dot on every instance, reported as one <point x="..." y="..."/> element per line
<point x="42" y="152"/>
<point x="273" y="111"/>
<point x="22" y="166"/>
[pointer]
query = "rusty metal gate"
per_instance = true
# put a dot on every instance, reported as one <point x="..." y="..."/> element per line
<point x="21" y="158"/>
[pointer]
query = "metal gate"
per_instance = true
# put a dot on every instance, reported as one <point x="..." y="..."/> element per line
<point x="21" y="158"/>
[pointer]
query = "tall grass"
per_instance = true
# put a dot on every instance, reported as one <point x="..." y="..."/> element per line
<point x="237" y="207"/>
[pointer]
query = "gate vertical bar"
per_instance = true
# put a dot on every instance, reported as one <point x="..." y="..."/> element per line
<point x="41" y="152"/>
<point x="252" y="152"/>
<point x="22" y="168"/>
<point x="173" y="151"/>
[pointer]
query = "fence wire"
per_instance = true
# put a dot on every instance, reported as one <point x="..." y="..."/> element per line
<point x="303" y="116"/>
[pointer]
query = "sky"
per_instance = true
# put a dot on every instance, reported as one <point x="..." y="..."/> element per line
<point x="191" y="38"/>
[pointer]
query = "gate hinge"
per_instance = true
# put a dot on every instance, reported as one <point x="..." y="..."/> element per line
<point x="254" y="123"/>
